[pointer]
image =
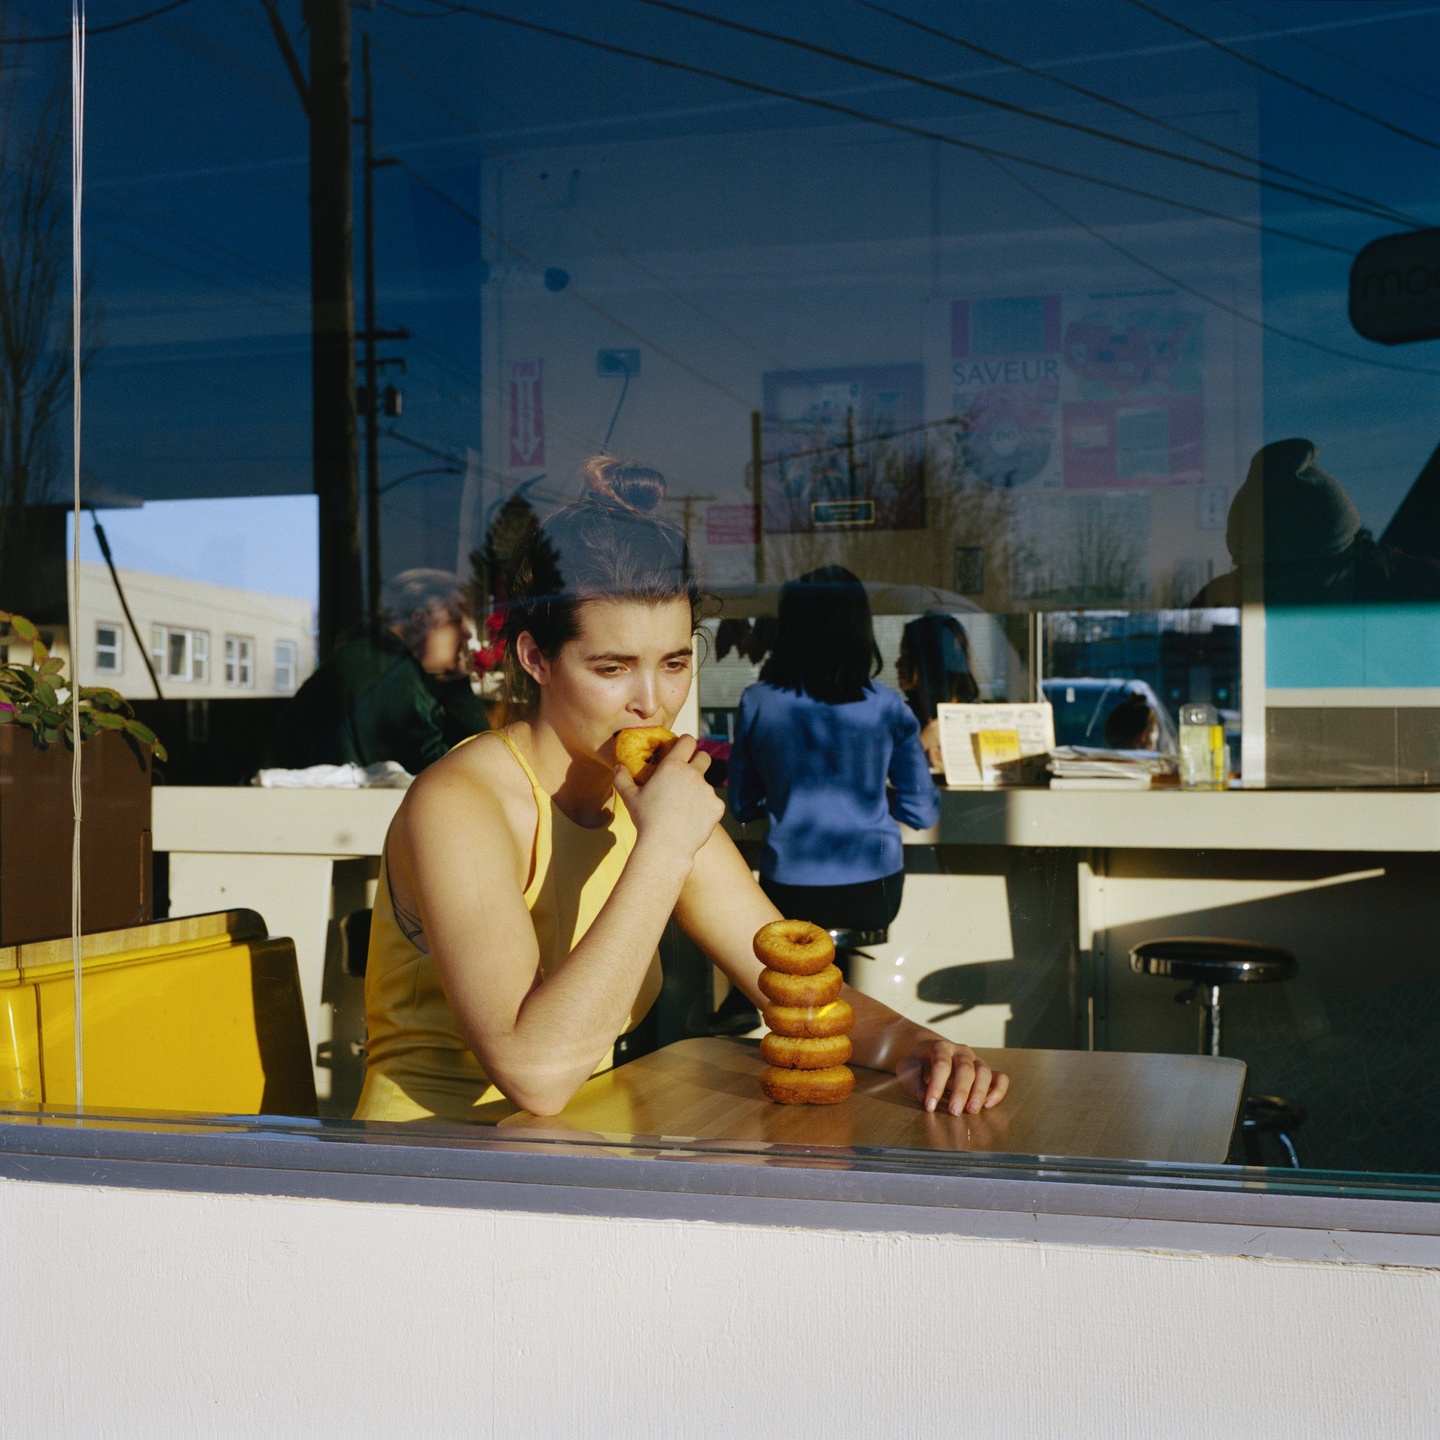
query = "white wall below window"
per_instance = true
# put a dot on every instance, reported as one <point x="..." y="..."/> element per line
<point x="158" y="1313"/>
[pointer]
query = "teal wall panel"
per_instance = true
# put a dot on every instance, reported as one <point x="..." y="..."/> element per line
<point x="1352" y="646"/>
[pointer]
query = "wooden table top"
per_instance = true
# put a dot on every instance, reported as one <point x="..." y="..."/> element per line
<point x="1103" y="1103"/>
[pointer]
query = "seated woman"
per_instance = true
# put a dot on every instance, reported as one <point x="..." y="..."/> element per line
<point x="521" y="902"/>
<point x="832" y="759"/>
<point x="933" y="668"/>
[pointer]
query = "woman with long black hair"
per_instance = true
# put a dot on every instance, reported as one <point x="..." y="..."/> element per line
<point x="832" y="759"/>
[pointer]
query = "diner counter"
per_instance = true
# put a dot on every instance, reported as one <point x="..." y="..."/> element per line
<point x="246" y="820"/>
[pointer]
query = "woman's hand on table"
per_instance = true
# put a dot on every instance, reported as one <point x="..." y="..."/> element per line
<point x="676" y="809"/>
<point x="941" y="1074"/>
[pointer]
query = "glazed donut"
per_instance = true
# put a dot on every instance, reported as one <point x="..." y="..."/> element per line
<point x="803" y="990"/>
<point x="805" y="1054"/>
<point x="795" y="947"/>
<point x="811" y="1022"/>
<point x="635" y="748"/>
<point x="808" y="1087"/>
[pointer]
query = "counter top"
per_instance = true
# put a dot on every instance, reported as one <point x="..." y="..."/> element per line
<point x="246" y="820"/>
<point x="1102" y="1104"/>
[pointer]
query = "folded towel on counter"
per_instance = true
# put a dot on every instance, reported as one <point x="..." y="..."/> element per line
<point x="383" y="775"/>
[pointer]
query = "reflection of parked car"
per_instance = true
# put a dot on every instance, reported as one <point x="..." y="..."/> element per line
<point x="1082" y="707"/>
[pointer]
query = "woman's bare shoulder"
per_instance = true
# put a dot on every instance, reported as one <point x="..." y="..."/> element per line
<point x="474" y="789"/>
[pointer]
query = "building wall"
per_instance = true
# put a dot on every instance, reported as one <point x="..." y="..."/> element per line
<point x="158" y="1313"/>
<point x="215" y="610"/>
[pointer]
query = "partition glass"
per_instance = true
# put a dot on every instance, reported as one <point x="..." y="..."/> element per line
<point x="1041" y="317"/>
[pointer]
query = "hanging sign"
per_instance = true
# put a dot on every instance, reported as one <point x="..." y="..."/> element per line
<point x="1395" y="288"/>
<point x="527" y="414"/>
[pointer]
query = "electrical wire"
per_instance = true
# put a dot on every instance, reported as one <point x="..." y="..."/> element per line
<point x="1210" y="300"/>
<point x="1299" y="39"/>
<point x="579" y="296"/>
<point x="619" y="404"/>
<point x="496" y="152"/>
<point x="998" y="157"/>
<point x="1009" y="107"/>
<point x="98" y="29"/>
<point x="920" y="132"/>
<point x="1280" y="75"/>
<point x="1132" y="110"/>
<point x="77" y="177"/>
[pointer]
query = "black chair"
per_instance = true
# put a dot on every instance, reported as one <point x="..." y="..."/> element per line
<point x="1209" y="964"/>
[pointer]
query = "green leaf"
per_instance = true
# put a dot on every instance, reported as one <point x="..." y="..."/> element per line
<point x="104" y="720"/>
<point x="45" y="694"/>
<point x="24" y="628"/>
<point x="41" y="654"/>
<point x="103" y="698"/>
<point x="143" y="733"/>
<point x="53" y="666"/>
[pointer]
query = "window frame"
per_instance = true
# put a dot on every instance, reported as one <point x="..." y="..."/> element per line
<point x="116" y="649"/>
<point x="239" y="662"/>
<point x="283" y="643"/>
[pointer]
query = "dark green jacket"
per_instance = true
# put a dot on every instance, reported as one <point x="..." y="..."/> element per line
<point x="371" y="701"/>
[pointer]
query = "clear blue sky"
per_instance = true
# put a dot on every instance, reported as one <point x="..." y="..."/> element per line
<point x="268" y="543"/>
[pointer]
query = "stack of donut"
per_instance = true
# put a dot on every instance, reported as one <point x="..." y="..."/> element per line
<point x="809" y="1039"/>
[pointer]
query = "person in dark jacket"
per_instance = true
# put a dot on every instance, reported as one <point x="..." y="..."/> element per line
<point x="399" y="693"/>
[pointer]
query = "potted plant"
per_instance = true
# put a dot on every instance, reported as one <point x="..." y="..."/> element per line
<point x="37" y="743"/>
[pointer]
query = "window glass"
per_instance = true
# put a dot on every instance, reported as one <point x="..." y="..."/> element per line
<point x="1099" y="343"/>
<point x="284" y="666"/>
<point x="109" y="649"/>
<point x="239" y="661"/>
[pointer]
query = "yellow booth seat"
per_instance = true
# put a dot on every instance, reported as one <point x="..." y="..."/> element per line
<point x="201" y="1014"/>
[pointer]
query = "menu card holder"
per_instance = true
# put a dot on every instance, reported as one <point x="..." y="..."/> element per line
<point x="970" y="732"/>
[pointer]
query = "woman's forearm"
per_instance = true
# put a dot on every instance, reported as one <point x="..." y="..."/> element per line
<point x="882" y="1037"/>
<point x="565" y="1025"/>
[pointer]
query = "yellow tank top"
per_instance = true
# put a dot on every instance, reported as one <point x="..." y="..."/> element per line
<point x="417" y="1062"/>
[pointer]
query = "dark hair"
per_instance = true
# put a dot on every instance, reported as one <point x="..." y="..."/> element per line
<point x="825" y="641"/>
<point x="1127" y="725"/>
<point x="605" y="545"/>
<point x="936" y="650"/>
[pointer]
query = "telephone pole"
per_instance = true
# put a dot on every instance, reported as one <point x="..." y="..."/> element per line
<point x="332" y="302"/>
<point x="370" y="336"/>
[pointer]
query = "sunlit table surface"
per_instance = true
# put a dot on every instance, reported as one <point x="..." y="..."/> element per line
<point x="1104" y="1104"/>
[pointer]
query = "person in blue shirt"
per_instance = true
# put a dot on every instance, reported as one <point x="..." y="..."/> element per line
<point x="832" y="759"/>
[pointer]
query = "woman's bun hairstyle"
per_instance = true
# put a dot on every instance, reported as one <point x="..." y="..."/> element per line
<point x="608" y="544"/>
<point x="609" y="481"/>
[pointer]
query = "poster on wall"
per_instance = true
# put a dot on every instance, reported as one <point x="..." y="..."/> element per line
<point x="1097" y="391"/>
<point x="527" y="414"/>
<point x="844" y="449"/>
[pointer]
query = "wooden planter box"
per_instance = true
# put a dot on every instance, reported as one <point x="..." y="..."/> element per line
<point x="35" y="836"/>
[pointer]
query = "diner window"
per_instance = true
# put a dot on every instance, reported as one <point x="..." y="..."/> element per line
<point x="240" y="661"/>
<point x="284" y="666"/>
<point x="1088" y="339"/>
<point x="109" y="649"/>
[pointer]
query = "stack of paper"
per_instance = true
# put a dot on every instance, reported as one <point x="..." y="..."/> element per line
<point x="1077" y="767"/>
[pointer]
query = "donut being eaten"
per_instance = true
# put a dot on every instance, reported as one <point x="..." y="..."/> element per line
<point x="637" y="748"/>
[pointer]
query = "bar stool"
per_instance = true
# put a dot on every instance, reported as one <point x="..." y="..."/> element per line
<point x="1209" y="964"/>
<point x="851" y="943"/>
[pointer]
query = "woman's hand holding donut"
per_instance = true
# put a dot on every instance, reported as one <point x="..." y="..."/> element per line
<point x="940" y="1069"/>
<point x="677" y="809"/>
